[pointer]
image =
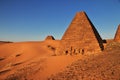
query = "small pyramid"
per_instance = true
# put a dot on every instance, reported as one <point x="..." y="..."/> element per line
<point x="117" y="35"/>
<point x="49" y="37"/>
<point x="81" y="36"/>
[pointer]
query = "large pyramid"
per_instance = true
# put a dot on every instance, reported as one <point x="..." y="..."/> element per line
<point x="117" y="35"/>
<point x="81" y="37"/>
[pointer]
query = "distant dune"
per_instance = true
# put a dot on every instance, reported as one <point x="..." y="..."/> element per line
<point x="2" y="42"/>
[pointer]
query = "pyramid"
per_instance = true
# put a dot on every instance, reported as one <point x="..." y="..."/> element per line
<point x="81" y="37"/>
<point x="117" y="35"/>
<point x="49" y="37"/>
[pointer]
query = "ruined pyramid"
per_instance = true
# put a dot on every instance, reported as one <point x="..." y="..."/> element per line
<point x="117" y="35"/>
<point x="81" y="37"/>
<point x="49" y="37"/>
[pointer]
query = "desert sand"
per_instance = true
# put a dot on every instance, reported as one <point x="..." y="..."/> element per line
<point x="35" y="61"/>
<point x="22" y="58"/>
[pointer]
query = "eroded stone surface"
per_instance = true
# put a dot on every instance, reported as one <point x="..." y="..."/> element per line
<point x="81" y="37"/>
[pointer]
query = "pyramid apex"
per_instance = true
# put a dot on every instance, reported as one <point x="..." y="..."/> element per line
<point x="117" y="35"/>
<point x="119" y="25"/>
<point x="81" y="12"/>
<point x="50" y="37"/>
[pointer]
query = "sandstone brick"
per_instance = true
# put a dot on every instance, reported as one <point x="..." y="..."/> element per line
<point x="81" y="36"/>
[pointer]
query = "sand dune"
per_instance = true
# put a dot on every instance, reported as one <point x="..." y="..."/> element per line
<point x="35" y="61"/>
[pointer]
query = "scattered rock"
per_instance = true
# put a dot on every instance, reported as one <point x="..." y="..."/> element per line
<point x="1" y="58"/>
<point x="17" y="55"/>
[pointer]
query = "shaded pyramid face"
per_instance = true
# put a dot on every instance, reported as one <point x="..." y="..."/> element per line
<point x="81" y="36"/>
<point x="117" y="35"/>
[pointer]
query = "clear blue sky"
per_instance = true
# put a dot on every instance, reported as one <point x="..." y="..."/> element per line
<point x="33" y="20"/>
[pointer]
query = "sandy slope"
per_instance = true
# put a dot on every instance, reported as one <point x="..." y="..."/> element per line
<point x="35" y="61"/>
<point x="31" y="58"/>
<point x="21" y="53"/>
